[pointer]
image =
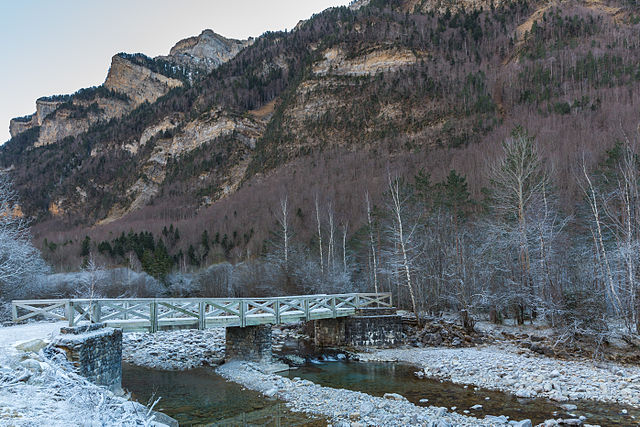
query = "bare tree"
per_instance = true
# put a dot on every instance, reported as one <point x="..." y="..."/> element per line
<point x="20" y="261"/>
<point x="598" y="238"/>
<point x="345" y="229"/>
<point x="283" y="220"/>
<point x="403" y="235"/>
<point x="372" y="245"/>
<point x="517" y="181"/>
<point x="331" y="248"/>
<point x="318" y="223"/>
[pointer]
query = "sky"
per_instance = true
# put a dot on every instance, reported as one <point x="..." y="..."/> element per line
<point x="57" y="47"/>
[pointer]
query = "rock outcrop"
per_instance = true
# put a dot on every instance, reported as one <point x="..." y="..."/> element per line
<point x="44" y="107"/>
<point x="20" y="124"/>
<point x="337" y="62"/>
<point x="77" y="116"/>
<point x="206" y="51"/>
<point x="137" y="82"/>
<point x="211" y="128"/>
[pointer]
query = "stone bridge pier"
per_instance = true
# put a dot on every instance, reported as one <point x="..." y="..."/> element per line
<point x="95" y="351"/>
<point x="369" y="327"/>
<point x="249" y="343"/>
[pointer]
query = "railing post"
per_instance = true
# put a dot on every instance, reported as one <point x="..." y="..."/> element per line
<point x="276" y="310"/>
<point x="202" y="321"/>
<point x="243" y="313"/>
<point x="14" y="312"/>
<point x="307" y="314"/>
<point x="153" y="316"/>
<point x="126" y="312"/>
<point x="357" y="301"/>
<point x="334" y="312"/>
<point x="69" y="310"/>
<point x="96" y="312"/>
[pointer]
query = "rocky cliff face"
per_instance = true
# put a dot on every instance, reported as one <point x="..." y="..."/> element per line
<point x="206" y="51"/>
<point x="20" y="124"/>
<point x="134" y="79"/>
<point x="210" y="129"/>
<point x="44" y="107"/>
<point x="75" y="118"/>
<point x="137" y="82"/>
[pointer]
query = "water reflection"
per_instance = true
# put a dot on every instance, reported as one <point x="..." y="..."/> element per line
<point x="200" y="397"/>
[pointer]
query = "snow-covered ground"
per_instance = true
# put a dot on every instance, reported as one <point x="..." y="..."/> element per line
<point x="522" y="372"/>
<point x="35" y="391"/>
<point x="11" y="335"/>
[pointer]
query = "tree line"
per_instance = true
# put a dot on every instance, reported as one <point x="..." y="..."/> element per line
<point x="514" y="253"/>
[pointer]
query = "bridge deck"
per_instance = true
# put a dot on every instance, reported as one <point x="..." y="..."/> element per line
<point x="153" y="314"/>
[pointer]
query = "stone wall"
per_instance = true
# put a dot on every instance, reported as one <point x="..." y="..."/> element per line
<point x="368" y="328"/>
<point x="95" y="351"/>
<point x="251" y="343"/>
<point x="383" y="331"/>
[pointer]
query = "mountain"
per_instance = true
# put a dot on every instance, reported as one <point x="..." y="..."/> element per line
<point x="132" y="80"/>
<point x="210" y="137"/>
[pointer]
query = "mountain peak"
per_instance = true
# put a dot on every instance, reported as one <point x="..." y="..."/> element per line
<point x="207" y="50"/>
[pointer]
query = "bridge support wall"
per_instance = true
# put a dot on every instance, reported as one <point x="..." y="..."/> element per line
<point x="95" y="351"/>
<point x="368" y="328"/>
<point x="251" y="343"/>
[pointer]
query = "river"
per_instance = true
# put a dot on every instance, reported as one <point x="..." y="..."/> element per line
<point x="200" y="396"/>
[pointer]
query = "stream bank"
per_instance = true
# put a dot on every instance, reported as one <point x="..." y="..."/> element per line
<point x="502" y="367"/>
<point x="522" y="372"/>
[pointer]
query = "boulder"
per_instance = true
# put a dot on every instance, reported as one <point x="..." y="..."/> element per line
<point x="394" y="396"/>
<point x="432" y="339"/>
<point x="31" y="346"/>
<point x="31" y="365"/>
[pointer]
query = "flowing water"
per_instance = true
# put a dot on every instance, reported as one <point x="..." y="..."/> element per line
<point x="380" y="378"/>
<point x="200" y="397"/>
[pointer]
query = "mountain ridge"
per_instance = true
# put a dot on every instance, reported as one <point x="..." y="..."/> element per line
<point x="401" y="85"/>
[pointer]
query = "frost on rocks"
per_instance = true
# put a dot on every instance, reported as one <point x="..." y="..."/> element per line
<point x="525" y="374"/>
<point x="38" y="392"/>
<point x="174" y="350"/>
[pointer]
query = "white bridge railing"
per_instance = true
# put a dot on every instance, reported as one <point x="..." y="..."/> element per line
<point x="152" y="314"/>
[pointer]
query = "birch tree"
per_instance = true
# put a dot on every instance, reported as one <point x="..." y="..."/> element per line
<point x="318" y="223"/>
<point x="372" y="245"/>
<point x="283" y="220"/>
<point x="403" y="233"/>
<point x="331" y="246"/>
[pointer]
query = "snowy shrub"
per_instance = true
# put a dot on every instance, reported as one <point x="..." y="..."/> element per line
<point x="217" y="280"/>
<point x="181" y="285"/>
<point x="49" y="394"/>
<point x="96" y="283"/>
<point x="20" y="261"/>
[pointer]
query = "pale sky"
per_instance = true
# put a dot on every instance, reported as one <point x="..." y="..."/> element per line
<point x="59" y="46"/>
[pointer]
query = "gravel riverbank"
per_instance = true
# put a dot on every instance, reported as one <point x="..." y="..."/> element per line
<point x="344" y="407"/>
<point x="174" y="350"/>
<point x="521" y="372"/>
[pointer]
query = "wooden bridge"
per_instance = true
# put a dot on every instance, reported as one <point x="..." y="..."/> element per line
<point x="153" y="314"/>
